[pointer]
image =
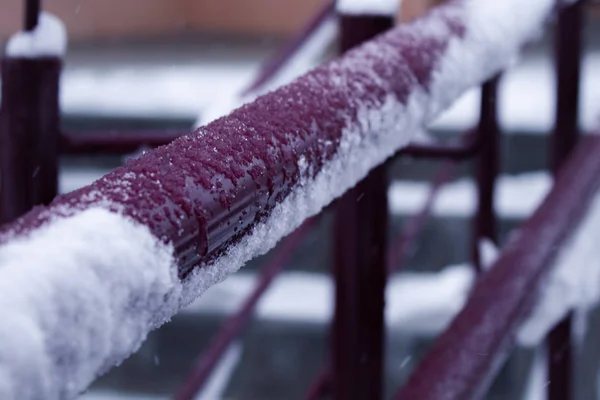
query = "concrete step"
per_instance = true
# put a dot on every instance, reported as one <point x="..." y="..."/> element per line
<point x="276" y="360"/>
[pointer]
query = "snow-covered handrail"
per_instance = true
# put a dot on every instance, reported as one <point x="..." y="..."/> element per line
<point x="83" y="280"/>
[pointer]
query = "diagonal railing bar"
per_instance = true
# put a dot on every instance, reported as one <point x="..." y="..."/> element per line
<point x="486" y="326"/>
<point x="234" y="325"/>
<point x="320" y="386"/>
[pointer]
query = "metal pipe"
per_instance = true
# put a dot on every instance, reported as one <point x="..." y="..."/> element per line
<point x="29" y="123"/>
<point x="568" y="53"/>
<point x="360" y="267"/>
<point x="237" y="322"/>
<point x="487" y="169"/>
<point x="31" y="14"/>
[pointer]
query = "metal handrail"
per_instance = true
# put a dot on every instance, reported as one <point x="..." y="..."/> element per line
<point x="208" y="222"/>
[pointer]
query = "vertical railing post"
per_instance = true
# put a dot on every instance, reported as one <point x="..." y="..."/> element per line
<point x="566" y="134"/>
<point x="29" y="129"/>
<point x="487" y="167"/>
<point x="31" y="14"/>
<point x="360" y="263"/>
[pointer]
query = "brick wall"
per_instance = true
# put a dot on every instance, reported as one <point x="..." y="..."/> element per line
<point x="87" y="19"/>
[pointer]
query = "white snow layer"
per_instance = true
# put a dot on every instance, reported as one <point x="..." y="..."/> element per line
<point x="76" y="298"/>
<point x="80" y="295"/>
<point x="49" y="38"/>
<point x="368" y="7"/>
<point x="574" y="281"/>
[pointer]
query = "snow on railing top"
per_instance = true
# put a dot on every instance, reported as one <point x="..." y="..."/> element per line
<point x="49" y="38"/>
<point x="212" y="200"/>
<point x="368" y="7"/>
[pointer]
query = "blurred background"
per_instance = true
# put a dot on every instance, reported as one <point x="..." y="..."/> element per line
<point x="174" y="64"/>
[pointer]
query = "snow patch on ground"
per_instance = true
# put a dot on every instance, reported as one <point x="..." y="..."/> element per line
<point x="517" y="196"/>
<point x="49" y="38"/>
<point x="409" y="304"/>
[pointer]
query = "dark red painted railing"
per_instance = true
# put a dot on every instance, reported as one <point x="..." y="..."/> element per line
<point x="566" y="134"/>
<point x="29" y="125"/>
<point x="356" y="370"/>
<point x="465" y="359"/>
<point x="360" y="262"/>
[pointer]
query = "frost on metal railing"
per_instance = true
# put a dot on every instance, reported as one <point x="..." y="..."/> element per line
<point x="87" y="277"/>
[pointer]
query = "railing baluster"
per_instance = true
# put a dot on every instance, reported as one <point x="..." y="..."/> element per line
<point x="31" y="14"/>
<point x="29" y="128"/>
<point x="566" y="134"/>
<point x="29" y="124"/>
<point x="360" y="263"/>
<point x="487" y="166"/>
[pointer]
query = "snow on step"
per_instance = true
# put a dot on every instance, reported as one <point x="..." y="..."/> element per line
<point x="517" y="196"/>
<point x="409" y="304"/>
<point x="351" y="115"/>
<point x="526" y="98"/>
